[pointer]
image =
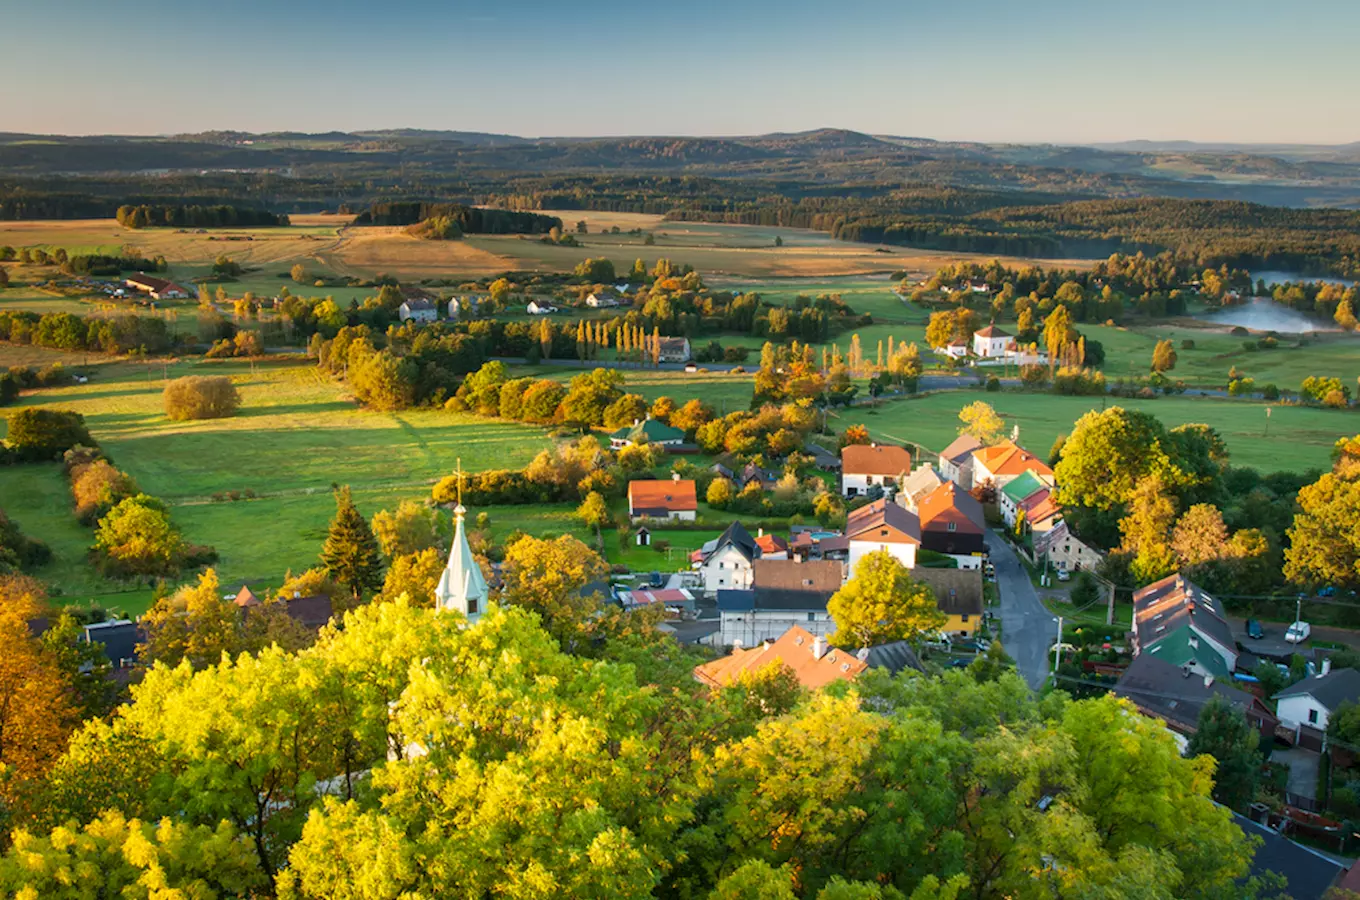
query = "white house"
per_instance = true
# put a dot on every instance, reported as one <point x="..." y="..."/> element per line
<point x="991" y="343"/>
<point x="783" y="594"/>
<point x="1312" y="701"/>
<point x="727" y="565"/>
<point x="602" y="300"/>
<point x="882" y="525"/>
<point x="956" y="460"/>
<point x="872" y="465"/>
<point x="460" y="307"/>
<point x="540" y="308"/>
<point x="417" y="310"/>
<point x="674" y="349"/>
<point x="955" y="349"/>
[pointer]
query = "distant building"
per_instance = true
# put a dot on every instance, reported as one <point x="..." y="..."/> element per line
<point x="872" y="465"/>
<point x="156" y="288"/>
<point x="540" y="308"/>
<point x="602" y="300"/>
<point x="956" y="460"/>
<point x="417" y="310"/>
<point x="646" y="431"/>
<point x="674" y="350"/>
<point x="1312" y="701"/>
<point x="661" y="499"/>
<point x="783" y="593"/>
<point x="882" y="525"/>
<point x="955" y="349"/>
<point x="727" y="564"/>
<point x="120" y="638"/>
<point x="463" y="307"/>
<point x="991" y="343"/>
<point x="1178" y="623"/>
<point x="811" y="660"/>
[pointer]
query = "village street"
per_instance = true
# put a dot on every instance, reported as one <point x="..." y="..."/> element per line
<point x="1028" y="629"/>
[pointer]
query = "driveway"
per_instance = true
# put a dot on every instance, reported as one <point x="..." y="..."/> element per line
<point x="1303" y="770"/>
<point x="1027" y="627"/>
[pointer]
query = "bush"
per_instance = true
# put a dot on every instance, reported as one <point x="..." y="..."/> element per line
<point x="137" y="539"/>
<point x="993" y="384"/>
<point x="1187" y="344"/>
<point x="1270" y="392"/>
<point x="1238" y="331"/>
<point x="200" y="397"/>
<point x="43" y="434"/>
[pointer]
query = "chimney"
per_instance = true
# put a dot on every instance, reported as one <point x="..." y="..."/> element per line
<point x="675" y="476"/>
<point x="1208" y="681"/>
<point x="1326" y="666"/>
<point x="297" y="595"/>
<point x="819" y="647"/>
<point x="760" y="532"/>
<point x="1185" y="671"/>
<point x="637" y="422"/>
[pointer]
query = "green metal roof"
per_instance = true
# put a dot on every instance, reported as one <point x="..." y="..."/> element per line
<point x="1174" y="647"/>
<point x="653" y="429"/>
<point x="1022" y="486"/>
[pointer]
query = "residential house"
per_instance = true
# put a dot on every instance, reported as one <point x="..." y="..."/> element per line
<point x="766" y="478"/>
<point x="646" y="431"/>
<point x="958" y="594"/>
<point x="312" y="612"/>
<point x="1312" y="701"/>
<point x="605" y="299"/>
<point x="417" y="309"/>
<point x="727" y="565"/>
<point x="882" y="525"/>
<point x="1176" y="695"/>
<point x="822" y="458"/>
<point x="1068" y="551"/>
<point x="245" y="598"/>
<point x="991" y="343"/>
<point x="156" y="288"/>
<point x="918" y="485"/>
<point x="677" y="600"/>
<point x="952" y="523"/>
<point x="674" y="350"/>
<point x="783" y="593"/>
<point x="955" y="349"/>
<point x="463" y="307"/>
<point x="673" y="499"/>
<point x="772" y="546"/>
<point x="1175" y="620"/>
<point x="872" y="465"/>
<point x="540" y="308"/>
<point x="1011" y="497"/>
<point x="956" y="460"/>
<point x="1002" y="462"/>
<point x="895" y="657"/>
<point x="807" y="656"/>
<point x="120" y="638"/>
<point x="1310" y="874"/>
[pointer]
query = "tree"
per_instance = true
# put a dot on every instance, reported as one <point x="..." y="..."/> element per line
<point x="350" y="554"/>
<point x="720" y="493"/>
<point x="690" y="417"/>
<point x="136" y="538"/>
<point x="881" y="603"/>
<point x="1164" y="356"/>
<point x="624" y="411"/>
<point x="415" y="576"/>
<point x="299" y="273"/>
<point x="37" y="434"/>
<point x="196" y="624"/>
<point x="1145" y="531"/>
<point x="1324" y="544"/>
<point x="1058" y="333"/>
<point x="412" y="528"/>
<point x="201" y="397"/>
<point x="83" y="665"/>
<point x="594" y="512"/>
<point x="982" y="422"/>
<point x="549" y="577"/>
<point x="1345" y="315"/>
<point x="36" y="714"/>
<point x="118" y="857"/>
<point x="1225" y="734"/>
<point x="1108" y="453"/>
<point x="97" y="487"/>
<point x="1200" y="536"/>
<point x="854" y="434"/>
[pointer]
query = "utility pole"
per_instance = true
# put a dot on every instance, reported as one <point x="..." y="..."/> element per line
<point x="1057" y="649"/>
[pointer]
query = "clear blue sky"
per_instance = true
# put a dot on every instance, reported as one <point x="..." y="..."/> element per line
<point x="990" y="70"/>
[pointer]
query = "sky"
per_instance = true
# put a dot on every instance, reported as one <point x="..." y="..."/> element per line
<point x="1062" y="71"/>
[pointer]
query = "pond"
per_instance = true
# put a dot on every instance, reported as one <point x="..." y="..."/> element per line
<point x="1267" y="315"/>
<point x="1273" y="277"/>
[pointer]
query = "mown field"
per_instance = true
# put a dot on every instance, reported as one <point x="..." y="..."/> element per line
<point x="1299" y="437"/>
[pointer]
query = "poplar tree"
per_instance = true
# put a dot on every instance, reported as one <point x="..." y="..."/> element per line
<point x="351" y="554"/>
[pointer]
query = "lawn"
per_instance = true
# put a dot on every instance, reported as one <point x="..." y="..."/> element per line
<point x="1300" y="437"/>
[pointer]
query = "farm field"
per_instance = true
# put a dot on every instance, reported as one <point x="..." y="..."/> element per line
<point x="1300" y="437"/>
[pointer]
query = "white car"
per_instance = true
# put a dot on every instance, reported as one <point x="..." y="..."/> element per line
<point x="1064" y="575"/>
<point x="1298" y="633"/>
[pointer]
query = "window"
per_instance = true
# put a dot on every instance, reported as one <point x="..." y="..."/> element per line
<point x="964" y="617"/>
<point x="472" y="606"/>
<point x="1312" y="717"/>
<point x="720" y="565"/>
<point x="953" y="526"/>
<point x="812" y="617"/>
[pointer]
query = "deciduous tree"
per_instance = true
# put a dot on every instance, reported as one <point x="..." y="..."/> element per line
<point x="982" y="422"/>
<point x="880" y="603"/>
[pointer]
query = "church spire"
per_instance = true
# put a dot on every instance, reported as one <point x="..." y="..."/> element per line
<point x="461" y="586"/>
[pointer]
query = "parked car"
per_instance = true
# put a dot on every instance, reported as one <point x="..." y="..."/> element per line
<point x="1254" y="630"/>
<point x="1064" y="575"/>
<point x="970" y="645"/>
<point x="1298" y="632"/>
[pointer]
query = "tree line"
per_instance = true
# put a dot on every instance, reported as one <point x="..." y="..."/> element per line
<point x="180" y="216"/>
<point x="468" y="219"/>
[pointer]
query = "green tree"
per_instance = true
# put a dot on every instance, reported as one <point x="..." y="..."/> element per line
<point x="1164" y="356"/>
<point x="412" y="528"/>
<point x="415" y="576"/>
<point x="880" y="603"/>
<point x="1108" y="453"/>
<point x="350" y="554"/>
<point x="982" y="422"/>
<point x="594" y="511"/>
<point x="136" y="538"/>
<point x="1146" y="531"/>
<point x="194" y="624"/>
<point x="549" y="578"/>
<point x="1224" y="733"/>
<point x="37" y="433"/>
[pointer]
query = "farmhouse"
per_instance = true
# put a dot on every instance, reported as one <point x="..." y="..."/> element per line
<point x="156" y="288"/>
<point x="602" y="300"/>
<point x="991" y="343"/>
<point x="872" y="465"/>
<point x="646" y="431"/>
<point x="1312" y="701"/>
<point x="955" y="349"/>
<point x="463" y="306"/>
<point x="1176" y="621"/>
<point x="417" y="310"/>
<point x="807" y="656"/>
<point x="661" y="499"/>
<point x="952" y="524"/>
<point x="883" y="525"/>
<point x="674" y="350"/>
<point x="540" y="308"/>
<point x="783" y="594"/>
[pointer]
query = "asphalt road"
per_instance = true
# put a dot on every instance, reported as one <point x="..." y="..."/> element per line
<point x="1027" y="627"/>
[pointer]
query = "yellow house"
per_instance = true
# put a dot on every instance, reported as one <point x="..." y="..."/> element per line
<point x="958" y="594"/>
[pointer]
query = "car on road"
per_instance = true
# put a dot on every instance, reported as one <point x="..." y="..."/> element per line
<point x="1254" y="630"/>
<point x="1064" y="574"/>
<point x="979" y="645"/>
<point x="1298" y="633"/>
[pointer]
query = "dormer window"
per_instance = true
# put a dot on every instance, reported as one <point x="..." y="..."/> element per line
<point x="472" y="606"/>
<point x="953" y="526"/>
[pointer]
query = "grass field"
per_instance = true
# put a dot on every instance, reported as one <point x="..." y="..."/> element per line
<point x="1300" y="438"/>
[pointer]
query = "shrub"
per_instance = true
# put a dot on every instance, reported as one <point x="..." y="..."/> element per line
<point x="1270" y="392"/>
<point x="1238" y="331"/>
<point x="993" y="384"/>
<point x="42" y="434"/>
<point x="97" y="488"/>
<point x="1033" y="376"/>
<point x="137" y="539"/>
<point x="1187" y="344"/>
<point x="200" y="397"/>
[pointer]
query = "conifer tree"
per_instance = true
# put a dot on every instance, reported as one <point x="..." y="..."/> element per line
<point x="350" y="554"/>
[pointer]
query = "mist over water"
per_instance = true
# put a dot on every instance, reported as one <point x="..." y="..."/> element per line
<point x="1273" y="277"/>
<point x="1267" y="315"/>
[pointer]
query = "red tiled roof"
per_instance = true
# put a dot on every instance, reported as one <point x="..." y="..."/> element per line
<point x="794" y="650"/>
<point x="772" y="543"/>
<point x="875" y="459"/>
<point x="989" y="332"/>
<point x="1006" y="458"/>
<point x="661" y="495"/>
<point x="902" y="525"/>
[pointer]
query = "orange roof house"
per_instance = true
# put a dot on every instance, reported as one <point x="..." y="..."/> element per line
<point x="811" y="661"/>
<point x="662" y="499"/>
<point x="1004" y="461"/>
<point x="875" y="459"/>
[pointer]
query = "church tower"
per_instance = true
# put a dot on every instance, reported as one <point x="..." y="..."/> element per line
<point x="462" y="586"/>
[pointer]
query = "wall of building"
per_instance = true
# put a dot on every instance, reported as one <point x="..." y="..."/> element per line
<point x="769" y="625"/>
<point x="726" y="570"/>
<point x="1293" y="711"/>
<point x="906" y="553"/>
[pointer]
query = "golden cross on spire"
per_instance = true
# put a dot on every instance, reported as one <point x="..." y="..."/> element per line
<point x="460" y="480"/>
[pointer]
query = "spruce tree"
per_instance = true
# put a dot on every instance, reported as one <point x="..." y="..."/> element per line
<point x="350" y="554"/>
